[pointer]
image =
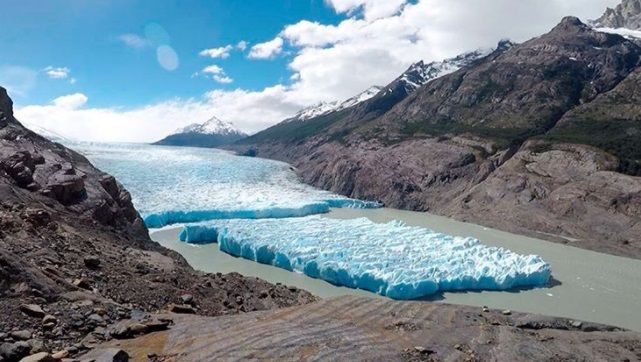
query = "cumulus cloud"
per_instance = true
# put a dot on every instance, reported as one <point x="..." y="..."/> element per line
<point x="71" y="101"/>
<point x="371" y="9"/>
<point x="216" y="73"/>
<point x="134" y="41"/>
<point x="221" y="52"/>
<point x="57" y="72"/>
<point x="242" y="45"/>
<point x="267" y="49"/>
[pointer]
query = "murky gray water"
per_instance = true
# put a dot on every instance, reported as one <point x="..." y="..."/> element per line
<point x="589" y="286"/>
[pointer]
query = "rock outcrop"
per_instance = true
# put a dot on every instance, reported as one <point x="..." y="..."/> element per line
<point x="625" y="15"/>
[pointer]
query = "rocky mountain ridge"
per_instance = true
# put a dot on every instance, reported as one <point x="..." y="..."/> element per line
<point x="625" y="15"/>
<point x="506" y="141"/>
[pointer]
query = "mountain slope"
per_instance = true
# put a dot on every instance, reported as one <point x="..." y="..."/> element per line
<point x="76" y="258"/>
<point x="337" y="106"/>
<point x="367" y="107"/>
<point x="489" y="143"/>
<point x="212" y="133"/>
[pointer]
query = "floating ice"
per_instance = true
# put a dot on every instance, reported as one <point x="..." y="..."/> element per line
<point x="179" y="185"/>
<point x="391" y="259"/>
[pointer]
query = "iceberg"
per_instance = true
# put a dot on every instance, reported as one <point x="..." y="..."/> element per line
<point x="391" y="259"/>
<point x="172" y="185"/>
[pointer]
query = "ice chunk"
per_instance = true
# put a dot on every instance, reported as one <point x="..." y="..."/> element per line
<point x="392" y="259"/>
<point x="178" y="185"/>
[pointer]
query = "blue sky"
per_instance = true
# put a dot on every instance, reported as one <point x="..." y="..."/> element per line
<point x="106" y="70"/>
<point x="83" y="36"/>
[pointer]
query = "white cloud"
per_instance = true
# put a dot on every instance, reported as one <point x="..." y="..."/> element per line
<point x="222" y="52"/>
<point x="372" y="9"/>
<point x="57" y="72"/>
<point x="217" y="73"/>
<point x="72" y="101"/>
<point x="134" y="41"/>
<point x="242" y="45"/>
<point x="69" y="116"/>
<point x="329" y="62"/>
<point x="267" y="49"/>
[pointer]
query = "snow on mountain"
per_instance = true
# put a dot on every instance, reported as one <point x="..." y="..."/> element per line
<point x="420" y="73"/>
<point x="414" y="77"/>
<point x="210" y="127"/>
<point x="328" y="107"/>
<point x="624" y="20"/>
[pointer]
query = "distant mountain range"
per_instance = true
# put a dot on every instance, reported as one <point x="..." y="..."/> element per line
<point x="212" y="133"/>
<point x="539" y="138"/>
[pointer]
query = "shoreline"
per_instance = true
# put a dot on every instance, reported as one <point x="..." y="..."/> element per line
<point x="587" y="285"/>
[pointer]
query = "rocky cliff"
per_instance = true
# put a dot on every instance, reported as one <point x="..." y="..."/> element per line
<point x="507" y="141"/>
<point x="625" y="15"/>
<point x="77" y="266"/>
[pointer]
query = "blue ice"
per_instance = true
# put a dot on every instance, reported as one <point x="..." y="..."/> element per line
<point x="171" y="185"/>
<point x="391" y="259"/>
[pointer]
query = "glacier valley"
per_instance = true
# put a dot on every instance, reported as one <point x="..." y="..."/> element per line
<point x="258" y="210"/>
<point x="180" y="185"/>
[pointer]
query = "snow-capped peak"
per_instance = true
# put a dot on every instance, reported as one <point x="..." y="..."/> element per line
<point x="624" y="20"/>
<point x="420" y="72"/>
<point x="211" y="126"/>
<point x="328" y="107"/>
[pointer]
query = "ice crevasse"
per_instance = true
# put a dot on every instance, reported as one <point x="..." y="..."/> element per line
<point x="391" y="259"/>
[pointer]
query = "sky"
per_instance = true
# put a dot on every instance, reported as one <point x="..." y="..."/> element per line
<point x="136" y="70"/>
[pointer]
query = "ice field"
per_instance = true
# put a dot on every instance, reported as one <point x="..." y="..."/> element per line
<point x="398" y="261"/>
<point x="172" y="185"/>
<point x="257" y="209"/>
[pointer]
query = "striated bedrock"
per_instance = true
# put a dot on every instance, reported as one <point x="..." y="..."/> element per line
<point x="541" y="138"/>
<point x="76" y="259"/>
<point x="371" y="329"/>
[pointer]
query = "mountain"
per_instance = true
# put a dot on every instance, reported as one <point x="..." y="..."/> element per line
<point x="324" y="108"/>
<point x="508" y="141"/>
<point x="371" y="103"/>
<point x="625" y="15"/>
<point x="212" y="133"/>
<point x="75" y="255"/>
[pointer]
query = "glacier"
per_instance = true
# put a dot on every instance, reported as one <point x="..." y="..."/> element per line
<point x="182" y="185"/>
<point x="391" y="259"/>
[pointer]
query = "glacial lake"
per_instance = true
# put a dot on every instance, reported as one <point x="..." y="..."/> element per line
<point x="168" y="184"/>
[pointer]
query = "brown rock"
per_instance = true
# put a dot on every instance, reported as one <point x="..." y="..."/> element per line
<point x="181" y="309"/>
<point x="32" y="310"/>
<point x="38" y="357"/>
<point x="106" y="355"/>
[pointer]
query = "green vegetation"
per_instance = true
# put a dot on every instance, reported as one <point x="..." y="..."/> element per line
<point x="296" y="130"/>
<point x="621" y="138"/>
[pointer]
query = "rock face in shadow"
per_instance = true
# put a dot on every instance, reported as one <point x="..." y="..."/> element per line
<point x="539" y="138"/>
<point x="76" y="258"/>
<point x="364" y="329"/>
